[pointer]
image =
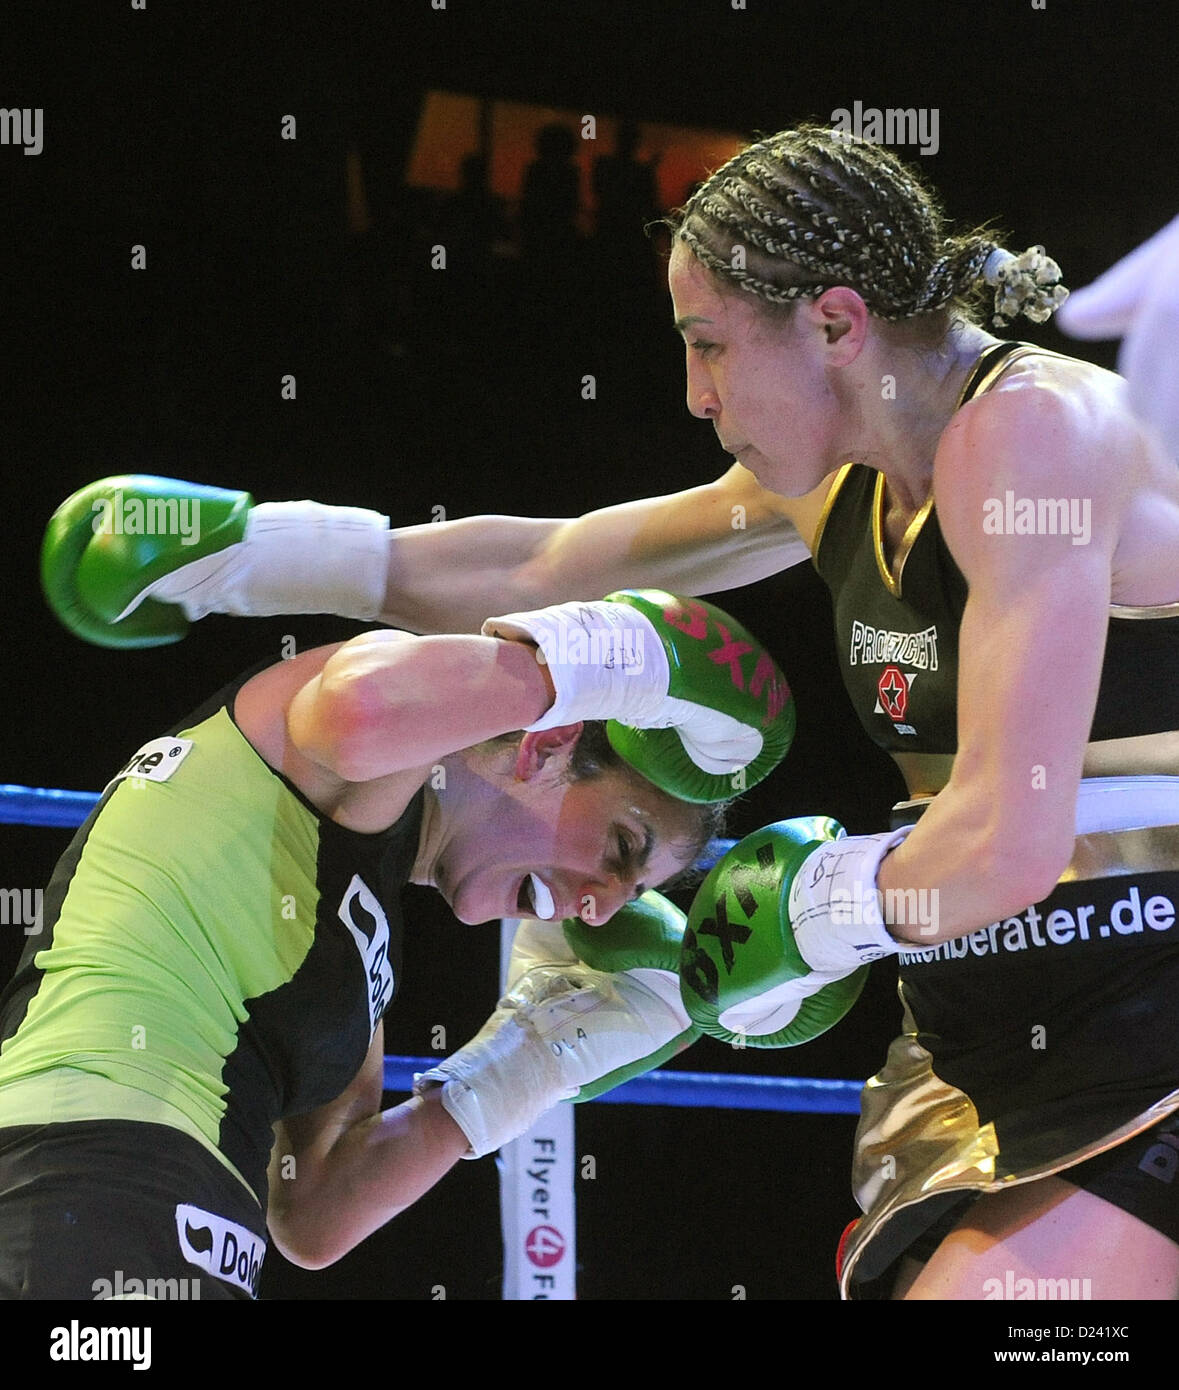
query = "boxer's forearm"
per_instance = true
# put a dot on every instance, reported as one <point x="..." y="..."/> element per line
<point x="375" y="1169"/>
<point x="451" y="576"/>
<point x="959" y="871"/>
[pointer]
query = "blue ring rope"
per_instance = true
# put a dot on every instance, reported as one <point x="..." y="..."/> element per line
<point x="695" y="1090"/>
<point x="44" y="805"/>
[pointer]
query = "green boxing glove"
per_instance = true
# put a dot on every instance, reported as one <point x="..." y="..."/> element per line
<point x="743" y="976"/>
<point x="586" y="1009"/>
<point x="131" y="561"/>
<point x="691" y="699"/>
<point x="640" y="946"/>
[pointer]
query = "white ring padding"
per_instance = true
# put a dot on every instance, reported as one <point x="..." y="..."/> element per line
<point x="1114" y="803"/>
<point x="1126" y="803"/>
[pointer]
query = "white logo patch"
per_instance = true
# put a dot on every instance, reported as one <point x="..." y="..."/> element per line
<point x="365" y="919"/>
<point x="156" y="761"/>
<point x="222" y="1248"/>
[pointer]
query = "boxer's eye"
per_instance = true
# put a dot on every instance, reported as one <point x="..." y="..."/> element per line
<point x="632" y="848"/>
<point x="625" y="852"/>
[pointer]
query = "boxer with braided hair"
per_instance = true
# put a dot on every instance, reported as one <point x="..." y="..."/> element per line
<point x="1000" y="536"/>
<point x="794" y="215"/>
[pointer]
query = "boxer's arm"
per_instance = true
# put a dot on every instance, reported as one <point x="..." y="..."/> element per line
<point x="387" y="702"/>
<point x="127" y="591"/>
<point x="1030" y="656"/>
<point x="449" y="576"/>
<point x="585" y="1008"/>
<point x="341" y="1172"/>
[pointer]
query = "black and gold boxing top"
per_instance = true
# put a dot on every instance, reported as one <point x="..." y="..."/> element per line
<point x="216" y="952"/>
<point x="897" y="640"/>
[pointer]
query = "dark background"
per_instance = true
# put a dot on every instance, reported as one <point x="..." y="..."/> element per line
<point x="162" y="128"/>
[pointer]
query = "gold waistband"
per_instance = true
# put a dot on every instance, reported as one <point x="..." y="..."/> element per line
<point x="1099" y="853"/>
<point x="919" y="1137"/>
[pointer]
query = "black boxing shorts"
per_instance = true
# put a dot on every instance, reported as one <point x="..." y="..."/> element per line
<point x="118" y="1209"/>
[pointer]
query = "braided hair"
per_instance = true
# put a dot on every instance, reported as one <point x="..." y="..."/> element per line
<point x="809" y="208"/>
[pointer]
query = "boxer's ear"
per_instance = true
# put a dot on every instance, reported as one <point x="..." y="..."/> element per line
<point x="539" y="747"/>
<point x="841" y="315"/>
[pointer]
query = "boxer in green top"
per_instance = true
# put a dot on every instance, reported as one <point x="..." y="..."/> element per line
<point x="223" y="934"/>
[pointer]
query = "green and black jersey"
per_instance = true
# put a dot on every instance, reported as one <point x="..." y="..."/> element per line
<point x="215" y="954"/>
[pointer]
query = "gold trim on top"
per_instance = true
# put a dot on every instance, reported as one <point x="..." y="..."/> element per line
<point x="992" y="371"/>
<point x="980" y="378"/>
<point x="828" y="503"/>
<point x="925" y="774"/>
<point x="908" y="540"/>
<point x="1145" y="610"/>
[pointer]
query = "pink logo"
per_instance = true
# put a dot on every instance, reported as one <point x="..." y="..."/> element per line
<point x="544" y="1246"/>
<point x="692" y="619"/>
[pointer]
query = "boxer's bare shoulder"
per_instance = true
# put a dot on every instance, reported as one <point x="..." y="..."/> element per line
<point x="1070" y="433"/>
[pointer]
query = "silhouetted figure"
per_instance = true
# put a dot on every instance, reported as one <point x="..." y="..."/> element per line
<point x="469" y="224"/>
<point x="475" y="219"/>
<point x="625" y="190"/>
<point x="551" y="196"/>
<point x="627" y="201"/>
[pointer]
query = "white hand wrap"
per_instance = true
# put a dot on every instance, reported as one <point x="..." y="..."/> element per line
<point x="295" y="557"/>
<point x="606" y="660"/>
<point x="834" y="904"/>
<point x="560" y="1027"/>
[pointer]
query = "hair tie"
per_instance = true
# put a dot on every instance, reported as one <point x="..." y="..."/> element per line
<point x="1027" y="284"/>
